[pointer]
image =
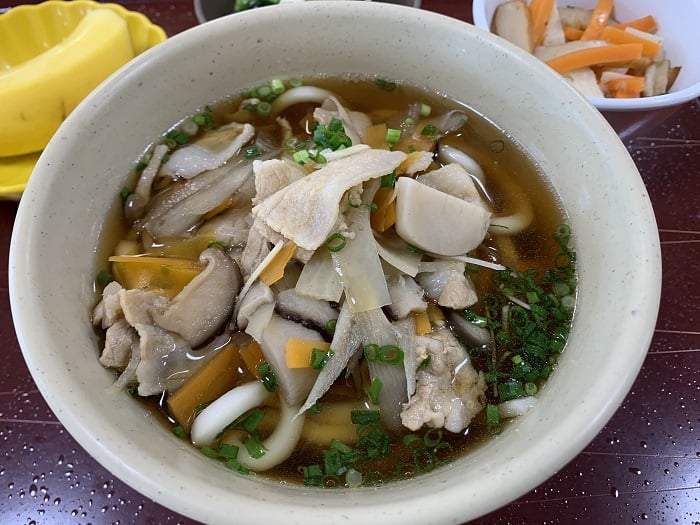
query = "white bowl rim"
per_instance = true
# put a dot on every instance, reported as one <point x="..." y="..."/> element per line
<point x="447" y="504"/>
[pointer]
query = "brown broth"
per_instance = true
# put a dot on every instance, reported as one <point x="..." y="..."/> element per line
<point x="511" y="177"/>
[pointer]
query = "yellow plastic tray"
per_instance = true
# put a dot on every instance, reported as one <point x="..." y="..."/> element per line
<point x="26" y="31"/>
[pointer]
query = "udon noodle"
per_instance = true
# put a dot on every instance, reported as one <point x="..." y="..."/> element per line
<point x="341" y="281"/>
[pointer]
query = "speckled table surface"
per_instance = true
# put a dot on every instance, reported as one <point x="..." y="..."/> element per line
<point x="644" y="466"/>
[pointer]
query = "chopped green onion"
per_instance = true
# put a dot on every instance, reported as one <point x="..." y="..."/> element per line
<point x="125" y="192"/>
<point x="371" y="352"/>
<point x="277" y="86"/>
<point x="264" y="108"/>
<point x="190" y="127"/>
<point x="510" y="390"/>
<point x="250" y="421"/>
<point x="386" y="85"/>
<point x="530" y="389"/>
<point x="294" y="82"/>
<point x="408" y="121"/>
<point x="103" y="278"/>
<point x="353" y="478"/>
<point x="263" y="91"/>
<point x="391" y="355"/>
<point x="492" y="418"/>
<point x="314" y="409"/>
<point x="429" y="130"/>
<point x="228" y="451"/>
<point x="364" y="417"/>
<point x="217" y="244"/>
<point x="374" y="389"/>
<point x="237" y="467"/>
<point x="252" y="152"/>
<point x="267" y="376"/>
<point x="301" y="156"/>
<point x="313" y="475"/>
<point x="254" y="447"/>
<point x="413" y="249"/>
<point x="425" y="363"/>
<point x="340" y="446"/>
<point x="477" y="320"/>
<point x="179" y="431"/>
<point x="411" y="148"/>
<point x="432" y="437"/>
<point x="392" y="135"/>
<point x="209" y="452"/>
<point x="425" y="110"/>
<point x="388" y="180"/>
<point x="319" y="358"/>
<point x="330" y="326"/>
<point x="336" y="242"/>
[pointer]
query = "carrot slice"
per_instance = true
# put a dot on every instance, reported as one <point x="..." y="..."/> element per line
<point x="298" y="351"/>
<point x="384" y="216"/>
<point x="274" y="271"/>
<point x="625" y="87"/>
<point x="540" y="11"/>
<point x="252" y="357"/>
<point x="645" y="23"/>
<point x="210" y="382"/>
<point x="599" y="19"/>
<point x="422" y="320"/>
<point x="614" y="53"/>
<point x="572" y="33"/>
<point x="620" y="36"/>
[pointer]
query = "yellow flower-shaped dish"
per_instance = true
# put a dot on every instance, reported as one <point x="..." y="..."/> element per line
<point x="32" y="36"/>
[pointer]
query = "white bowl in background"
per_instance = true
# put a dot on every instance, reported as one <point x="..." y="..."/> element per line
<point x="677" y="20"/>
<point x="67" y="201"/>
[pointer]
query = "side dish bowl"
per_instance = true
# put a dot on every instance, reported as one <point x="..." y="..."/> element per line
<point x="68" y="200"/>
<point x="676" y="25"/>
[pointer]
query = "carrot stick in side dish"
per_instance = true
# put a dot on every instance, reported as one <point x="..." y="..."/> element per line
<point x="599" y="19"/>
<point x="595" y="55"/>
<point x="540" y="11"/>
<point x="620" y="36"/>
<point x="645" y="23"/>
<point x="572" y="33"/>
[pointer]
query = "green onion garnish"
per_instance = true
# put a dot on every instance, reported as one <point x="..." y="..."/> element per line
<point x="388" y="180"/>
<point x="252" y="152"/>
<point x="264" y="108"/>
<point x="429" y="130"/>
<point x="336" y="242"/>
<point x="374" y="389"/>
<point x="103" y="278"/>
<point x="386" y="85"/>
<point x="267" y="376"/>
<point x="319" y="358"/>
<point x="179" y="431"/>
<point x="425" y="110"/>
<point x="392" y="135"/>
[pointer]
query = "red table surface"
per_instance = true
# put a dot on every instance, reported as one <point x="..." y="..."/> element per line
<point x="644" y="466"/>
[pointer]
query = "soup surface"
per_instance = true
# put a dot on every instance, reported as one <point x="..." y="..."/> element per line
<point x="336" y="281"/>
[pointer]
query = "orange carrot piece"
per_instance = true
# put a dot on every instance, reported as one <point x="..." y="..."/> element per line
<point x="210" y="382"/>
<point x="620" y="36"/>
<point x="275" y="270"/>
<point x="599" y="19"/>
<point x="572" y="33"/>
<point x="298" y="351"/>
<point x="382" y="215"/>
<point x="595" y="55"/>
<point x="627" y="85"/>
<point x="540" y="11"/>
<point x="422" y="320"/>
<point x="252" y="357"/>
<point x="626" y="93"/>
<point x="645" y="23"/>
